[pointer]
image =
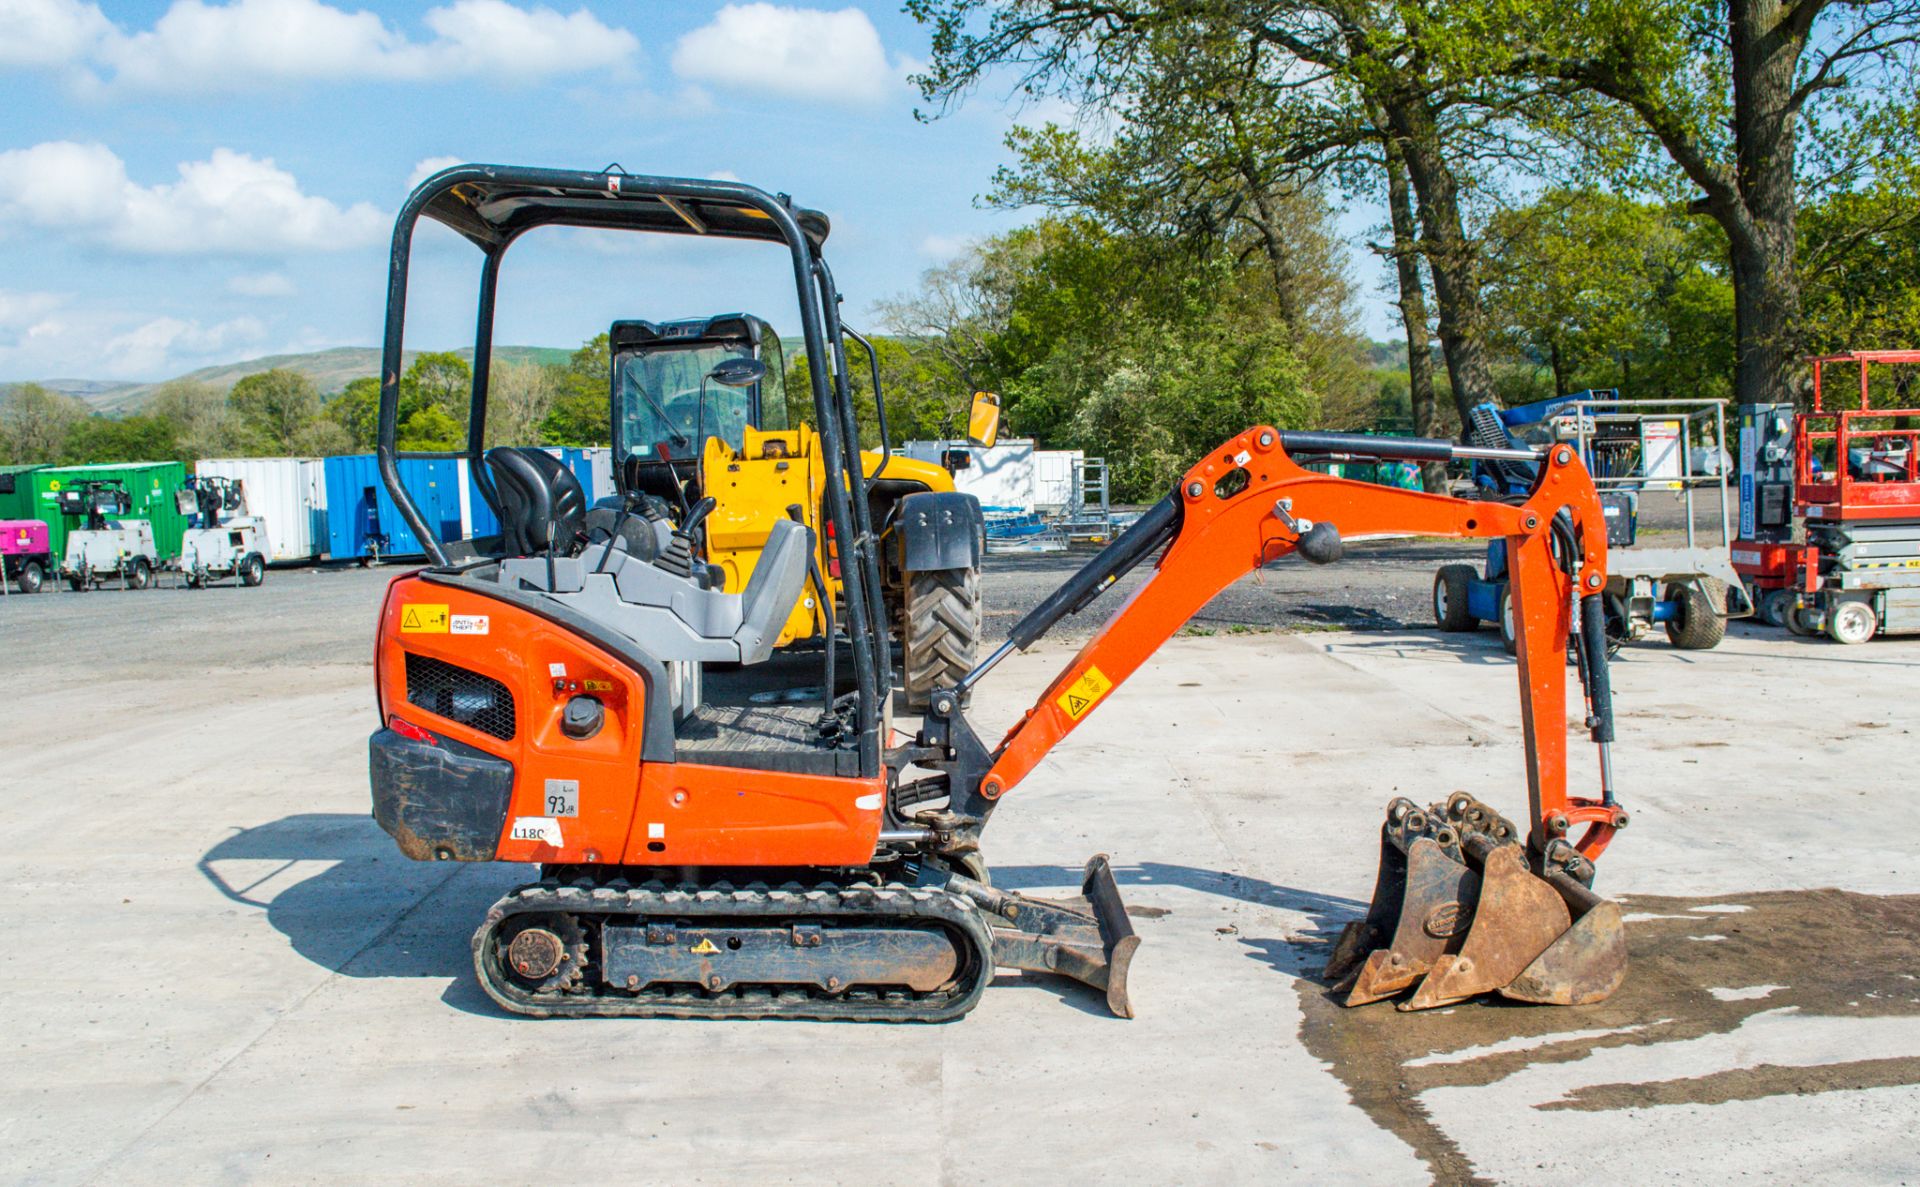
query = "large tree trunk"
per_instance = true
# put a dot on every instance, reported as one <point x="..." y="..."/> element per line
<point x="1767" y="39"/>
<point x="1451" y="255"/>
<point x="1413" y="310"/>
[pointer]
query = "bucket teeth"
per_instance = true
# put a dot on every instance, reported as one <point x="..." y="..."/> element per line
<point x="1458" y="911"/>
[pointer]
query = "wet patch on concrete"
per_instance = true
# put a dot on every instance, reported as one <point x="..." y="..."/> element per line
<point x="1821" y="952"/>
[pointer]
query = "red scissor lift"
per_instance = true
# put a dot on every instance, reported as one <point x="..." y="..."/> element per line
<point x="1857" y="489"/>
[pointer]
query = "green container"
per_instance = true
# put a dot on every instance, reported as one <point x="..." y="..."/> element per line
<point x="152" y="487"/>
<point x="18" y="504"/>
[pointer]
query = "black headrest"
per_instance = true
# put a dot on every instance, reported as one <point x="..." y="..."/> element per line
<point x="542" y="504"/>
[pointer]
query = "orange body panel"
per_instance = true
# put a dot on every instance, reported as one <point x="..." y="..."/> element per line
<point x="631" y="812"/>
<point x="1224" y="536"/>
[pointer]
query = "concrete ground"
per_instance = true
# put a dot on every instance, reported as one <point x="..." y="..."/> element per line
<point x="226" y="973"/>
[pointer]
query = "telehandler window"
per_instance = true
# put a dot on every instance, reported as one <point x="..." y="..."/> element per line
<point x="668" y="381"/>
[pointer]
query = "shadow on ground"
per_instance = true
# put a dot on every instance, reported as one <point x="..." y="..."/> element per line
<point x="370" y="912"/>
<point x="1819" y="952"/>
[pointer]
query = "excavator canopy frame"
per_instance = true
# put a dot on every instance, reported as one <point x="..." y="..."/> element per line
<point x="492" y="206"/>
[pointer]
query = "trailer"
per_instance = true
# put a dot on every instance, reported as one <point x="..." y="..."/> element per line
<point x="1636" y="450"/>
<point x="1857" y="492"/>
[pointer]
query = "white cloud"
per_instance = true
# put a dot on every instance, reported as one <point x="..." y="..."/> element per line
<point x="805" y="52"/>
<point x="45" y="335"/>
<point x="944" y="247"/>
<point x="431" y="166"/>
<point x="200" y="46"/>
<point x="261" y="284"/>
<point x="18" y="310"/>
<point x="164" y="343"/>
<point x="229" y="203"/>
<point x="49" y="32"/>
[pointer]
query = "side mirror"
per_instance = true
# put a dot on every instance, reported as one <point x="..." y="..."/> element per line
<point x="737" y="372"/>
<point x="983" y="422"/>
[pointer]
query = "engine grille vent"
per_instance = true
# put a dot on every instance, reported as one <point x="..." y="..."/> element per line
<point x="450" y="691"/>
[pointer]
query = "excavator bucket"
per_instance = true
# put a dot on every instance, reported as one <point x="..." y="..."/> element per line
<point x="1458" y="911"/>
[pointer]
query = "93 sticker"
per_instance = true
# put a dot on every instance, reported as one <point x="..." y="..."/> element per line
<point x="563" y="797"/>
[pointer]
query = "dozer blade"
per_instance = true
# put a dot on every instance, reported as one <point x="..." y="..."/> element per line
<point x="1088" y="938"/>
<point x="1589" y="960"/>
<point x="1519" y="917"/>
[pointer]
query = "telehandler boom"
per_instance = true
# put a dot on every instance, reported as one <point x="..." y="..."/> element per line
<point x="748" y="855"/>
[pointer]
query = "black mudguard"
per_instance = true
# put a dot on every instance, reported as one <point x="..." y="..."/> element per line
<point x="440" y="802"/>
<point x="939" y="530"/>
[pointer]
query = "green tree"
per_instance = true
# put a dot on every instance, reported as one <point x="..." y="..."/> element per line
<point x="436" y="379"/>
<point x="578" y="414"/>
<point x="272" y="407"/>
<point x="1604" y="291"/>
<point x="136" y="438"/>
<point x="356" y="410"/>
<point x="34" y="423"/>
<point x="203" y="425"/>
<point x="1753" y="106"/>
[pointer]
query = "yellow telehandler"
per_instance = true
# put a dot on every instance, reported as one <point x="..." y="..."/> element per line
<point x="700" y="413"/>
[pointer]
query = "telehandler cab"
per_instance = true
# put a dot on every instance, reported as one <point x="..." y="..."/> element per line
<point x="744" y="856"/>
<point x="682" y="435"/>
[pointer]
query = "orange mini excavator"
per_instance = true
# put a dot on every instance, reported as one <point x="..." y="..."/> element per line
<point x="726" y="832"/>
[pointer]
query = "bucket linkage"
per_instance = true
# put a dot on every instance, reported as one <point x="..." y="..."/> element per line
<point x="1461" y="907"/>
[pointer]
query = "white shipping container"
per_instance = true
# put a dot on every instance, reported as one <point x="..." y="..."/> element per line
<point x="1053" y="476"/>
<point x="290" y="493"/>
<point x="1003" y="476"/>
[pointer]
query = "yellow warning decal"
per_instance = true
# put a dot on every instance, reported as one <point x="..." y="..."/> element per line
<point x="704" y="948"/>
<point x="1084" y="693"/>
<point x="597" y="685"/>
<point x="419" y="619"/>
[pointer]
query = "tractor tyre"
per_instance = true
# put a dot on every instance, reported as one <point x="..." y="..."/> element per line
<point x="1508" y="643"/>
<point x="253" y="569"/>
<point x="939" y="631"/>
<point x="1852" y="622"/>
<point x="1775" y="606"/>
<point x="1450" y="587"/>
<point x="140" y="576"/>
<point x="1700" y="625"/>
<point x="31" y="577"/>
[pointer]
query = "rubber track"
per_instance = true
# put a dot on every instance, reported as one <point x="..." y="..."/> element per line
<point x="755" y="904"/>
<point x="941" y="633"/>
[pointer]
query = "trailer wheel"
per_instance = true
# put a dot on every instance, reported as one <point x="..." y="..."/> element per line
<point x="253" y="569"/>
<point x="31" y="577"/>
<point x="141" y="575"/>
<point x="78" y="582"/>
<point x="1507" y="640"/>
<point x="1775" y="606"/>
<point x="1450" y="598"/>
<point x="1699" y="625"/>
<point x="1852" y="622"/>
<point x="196" y="579"/>
<point x="939" y="631"/>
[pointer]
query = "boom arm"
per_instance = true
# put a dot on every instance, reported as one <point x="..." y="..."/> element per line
<point x="1246" y="504"/>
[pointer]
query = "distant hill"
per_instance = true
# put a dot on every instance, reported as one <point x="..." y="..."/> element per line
<point x="330" y="370"/>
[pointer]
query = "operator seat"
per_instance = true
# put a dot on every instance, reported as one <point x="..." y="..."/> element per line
<point x="542" y="505"/>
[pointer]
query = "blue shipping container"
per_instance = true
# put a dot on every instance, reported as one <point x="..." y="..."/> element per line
<point x="359" y="509"/>
<point x="483" y="522"/>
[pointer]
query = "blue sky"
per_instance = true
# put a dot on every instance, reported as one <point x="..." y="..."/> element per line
<point x="185" y="182"/>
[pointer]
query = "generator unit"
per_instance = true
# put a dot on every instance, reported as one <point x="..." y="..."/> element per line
<point x="103" y="549"/>
<point x="224" y="541"/>
<point x="25" y="556"/>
